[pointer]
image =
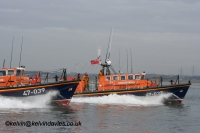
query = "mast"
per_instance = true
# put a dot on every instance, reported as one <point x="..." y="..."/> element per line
<point x="127" y="60"/>
<point x="3" y="63"/>
<point x="131" y="62"/>
<point x="107" y="64"/>
<point x="119" y="60"/>
<point x="20" y="52"/>
<point x="109" y="46"/>
<point x="11" y="52"/>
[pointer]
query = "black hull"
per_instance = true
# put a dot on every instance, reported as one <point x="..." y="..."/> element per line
<point x="65" y="90"/>
<point x="178" y="92"/>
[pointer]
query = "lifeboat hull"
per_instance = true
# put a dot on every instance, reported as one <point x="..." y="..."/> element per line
<point x="178" y="92"/>
<point x="65" y="91"/>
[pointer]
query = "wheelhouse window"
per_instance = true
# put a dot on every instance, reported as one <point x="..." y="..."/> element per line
<point x="107" y="78"/>
<point x="2" y="73"/>
<point x="123" y="77"/>
<point x="130" y="77"/>
<point x="18" y="72"/>
<point x="10" y="72"/>
<point x="115" y="77"/>
<point x="137" y="76"/>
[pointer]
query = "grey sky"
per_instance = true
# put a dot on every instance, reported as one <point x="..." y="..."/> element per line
<point x="164" y="35"/>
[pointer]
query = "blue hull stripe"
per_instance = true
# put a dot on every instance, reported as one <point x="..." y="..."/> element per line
<point x="65" y="89"/>
<point x="178" y="90"/>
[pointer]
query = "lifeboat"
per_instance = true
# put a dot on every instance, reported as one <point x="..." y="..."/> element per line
<point x="14" y="83"/>
<point x="131" y="84"/>
<point x="137" y="84"/>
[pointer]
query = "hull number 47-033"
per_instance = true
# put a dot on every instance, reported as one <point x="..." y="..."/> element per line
<point x="154" y="93"/>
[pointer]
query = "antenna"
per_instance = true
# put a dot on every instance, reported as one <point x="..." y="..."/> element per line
<point x="11" y="52"/>
<point x="99" y="52"/>
<point x="131" y="62"/>
<point x="119" y="60"/>
<point x="127" y="60"/>
<point x="3" y="63"/>
<point x="109" y="45"/>
<point x="20" y="52"/>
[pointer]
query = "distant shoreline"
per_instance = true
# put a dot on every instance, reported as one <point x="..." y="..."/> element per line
<point x="192" y="81"/>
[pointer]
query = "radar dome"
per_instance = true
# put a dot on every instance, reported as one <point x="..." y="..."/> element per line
<point x="108" y="62"/>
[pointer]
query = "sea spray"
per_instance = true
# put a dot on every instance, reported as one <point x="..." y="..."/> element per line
<point x="129" y="100"/>
<point x="40" y="101"/>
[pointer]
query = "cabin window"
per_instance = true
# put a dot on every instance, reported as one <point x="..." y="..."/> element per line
<point x="130" y="77"/>
<point x="10" y="72"/>
<point x="115" y="77"/>
<point x="137" y="76"/>
<point x="18" y="72"/>
<point x="2" y="72"/>
<point x="123" y="78"/>
<point x="107" y="78"/>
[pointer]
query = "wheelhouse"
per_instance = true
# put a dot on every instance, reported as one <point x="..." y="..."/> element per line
<point x="12" y="71"/>
<point x="13" y="77"/>
<point x="124" y="77"/>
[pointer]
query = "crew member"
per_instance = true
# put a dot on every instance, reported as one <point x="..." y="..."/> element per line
<point x="78" y="77"/>
<point x="86" y="81"/>
<point x="100" y="74"/>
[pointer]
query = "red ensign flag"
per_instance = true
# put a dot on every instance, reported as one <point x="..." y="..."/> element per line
<point x="95" y="62"/>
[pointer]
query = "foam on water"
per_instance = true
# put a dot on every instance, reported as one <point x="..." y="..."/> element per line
<point x="40" y="101"/>
<point x="130" y="100"/>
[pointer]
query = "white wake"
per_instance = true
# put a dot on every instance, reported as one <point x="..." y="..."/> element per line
<point x="130" y="100"/>
<point x="40" y="101"/>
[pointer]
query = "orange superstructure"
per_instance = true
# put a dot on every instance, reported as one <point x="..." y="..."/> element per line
<point x="12" y="77"/>
<point x="120" y="81"/>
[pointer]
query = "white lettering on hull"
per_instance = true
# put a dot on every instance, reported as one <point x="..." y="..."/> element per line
<point x="154" y="93"/>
